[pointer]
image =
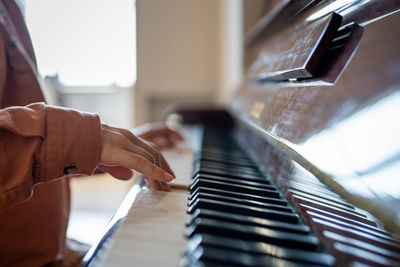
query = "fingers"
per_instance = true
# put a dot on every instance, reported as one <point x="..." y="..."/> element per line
<point x="164" y="163"/>
<point x="144" y="166"/>
<point x="118" y="172"/>
<point x="160" y="160"/>
<point x="129" y="146"/>
<point x="120" y="147"/>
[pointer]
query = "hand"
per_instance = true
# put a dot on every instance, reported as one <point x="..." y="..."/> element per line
<point x="160" y="135"/>
<point x="123" y="151"/>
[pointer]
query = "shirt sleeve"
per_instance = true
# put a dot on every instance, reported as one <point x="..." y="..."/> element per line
<point x="39" y="143"/>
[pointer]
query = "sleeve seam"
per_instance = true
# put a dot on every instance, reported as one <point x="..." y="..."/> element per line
<point x="16" y="187"/>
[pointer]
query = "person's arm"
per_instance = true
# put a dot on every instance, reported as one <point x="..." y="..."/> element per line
<point x="39" y="143"/>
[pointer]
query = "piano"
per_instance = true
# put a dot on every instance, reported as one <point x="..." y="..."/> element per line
<point x="302" y="168"/>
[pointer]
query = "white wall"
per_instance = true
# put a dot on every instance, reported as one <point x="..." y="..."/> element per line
<point x="188" y="53"/>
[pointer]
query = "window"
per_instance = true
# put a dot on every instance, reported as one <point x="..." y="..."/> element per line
<point x="87" y="42"/>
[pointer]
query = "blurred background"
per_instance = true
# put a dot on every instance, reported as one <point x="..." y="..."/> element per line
<point x="131" y="62"/>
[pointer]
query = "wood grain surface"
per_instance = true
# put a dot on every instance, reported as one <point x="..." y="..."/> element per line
<point x="295" y="51"/>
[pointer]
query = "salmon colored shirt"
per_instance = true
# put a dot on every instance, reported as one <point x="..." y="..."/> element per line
<point x="38" y="143"/>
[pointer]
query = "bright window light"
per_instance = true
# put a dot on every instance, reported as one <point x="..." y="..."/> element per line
<point x="85" y="42"/>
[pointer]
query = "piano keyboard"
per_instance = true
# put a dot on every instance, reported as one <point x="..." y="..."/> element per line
<point x="233" y="214"/>
<point x="237" y="215"/>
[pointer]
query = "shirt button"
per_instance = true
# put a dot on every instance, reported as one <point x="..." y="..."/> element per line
<point x="70" y="170"/>
<point x="12" y="43"/>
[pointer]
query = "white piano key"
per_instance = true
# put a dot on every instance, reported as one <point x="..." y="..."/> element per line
<point x="152" y="233"/>
<point x="180" y="158"/>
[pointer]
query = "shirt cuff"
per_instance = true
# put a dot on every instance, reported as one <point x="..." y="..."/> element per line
<point x="72" y="142"/>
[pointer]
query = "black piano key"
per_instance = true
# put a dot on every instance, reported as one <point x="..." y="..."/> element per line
<point x="218" y="136"/>
<point x="256" y="179"/>
<point x="217" y="165"/>
<point x="234" y="181"/>
<point x="249" y="220"/>
<point x="239" y="201"/>
<point x="207" y="163"/>
<point x="231" y="161"/>
<point x="224" y="166"/>
<point x="219" y="143"/>
<point x="251" y="233"/>
<point x="226" y="171"/>
<point x="227" y="153"/>
<point x="244" y="210"/>
<point x="220" y="192"/>
<point x="259" y="248"/>
<point x="234" y="188"/>
<point x="222" y="160"/>
<point x="222" y="257"/>
<point x="221" y="173"/>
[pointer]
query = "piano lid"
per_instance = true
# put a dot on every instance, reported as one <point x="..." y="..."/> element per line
<point x="345" y="131"/>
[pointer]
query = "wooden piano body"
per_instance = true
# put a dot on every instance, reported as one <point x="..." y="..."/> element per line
<point x="319" y="117"/>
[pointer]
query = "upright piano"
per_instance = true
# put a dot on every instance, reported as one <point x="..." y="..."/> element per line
<point x="302" y="168"/>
